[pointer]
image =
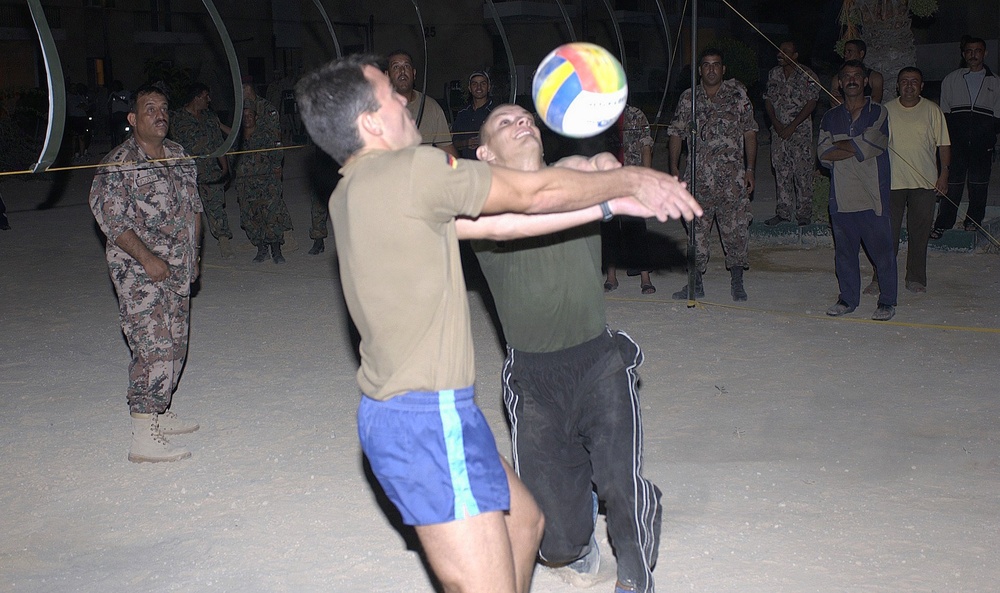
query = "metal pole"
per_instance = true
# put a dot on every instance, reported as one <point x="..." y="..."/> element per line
<point x="692" y="154"/>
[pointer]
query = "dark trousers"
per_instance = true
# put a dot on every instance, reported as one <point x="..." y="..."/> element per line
<point x="624" y="244"/>
<point x="971" y="160"/>
<point x="851" y="230"/>
<point x="576" y="424"/>
<point x="918" y="205"/>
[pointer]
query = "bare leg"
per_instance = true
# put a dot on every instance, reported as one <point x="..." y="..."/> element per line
<point x="525" y="525"/>
<point x="490" y="553"/>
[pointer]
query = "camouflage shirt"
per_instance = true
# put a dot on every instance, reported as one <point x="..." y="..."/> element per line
<point x="789" y="96"/>
<point x="722" y="121"/>
<point x="199" y="136"/>
<point x="268" y="120"/>
<point x="635" y="132"/>
<point x="156" y="200"/>
<point x="262" y="162"/>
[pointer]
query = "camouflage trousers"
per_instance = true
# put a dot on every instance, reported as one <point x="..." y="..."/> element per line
<point x="793" y="164"/>
<point x="155" y="322"/>
<point x="725" y="202"/>
<point x="263" y="213"/>
<point x="320" y="211"/>
<point x="213" y="199"/>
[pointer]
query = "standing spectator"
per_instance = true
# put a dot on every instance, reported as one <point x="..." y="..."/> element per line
<point x="151" y="215"/>
<point x="196" y="127"/>
<point x="856" y="49"/>
<point x="433" y="125"/>
<point x="853" y="141"/>
<point x="726" y="157"/>
<point x="268" y="120"/>
<point x="263" y="213"/>
<point x="624" y="239"/>
<point x="394" y="214"/>
<point x="918" y="137"/>
<point x="790" y="99"/>
<point x="970" y="99"/>
<point x="570" y="384"/>
<point x="465" y="130"/>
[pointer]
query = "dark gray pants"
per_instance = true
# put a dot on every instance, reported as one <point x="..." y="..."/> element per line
<point x="576" y="425"/>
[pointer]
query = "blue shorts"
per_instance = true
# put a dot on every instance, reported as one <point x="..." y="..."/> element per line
<point x="434" y="455"/>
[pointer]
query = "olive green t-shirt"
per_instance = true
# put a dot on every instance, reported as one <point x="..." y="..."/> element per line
<point x="394" y="224"/>
<point x="547" y="289"/>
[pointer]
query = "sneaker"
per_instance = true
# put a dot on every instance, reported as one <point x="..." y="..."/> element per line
<point x="839" y="308"/>
<point x="872" y="288"/>
<point x="884" y="313"/>
<point x="590" y="563"/>
<point x="775" y="220"/>
<point x="915" y="287"/>
<point x="625" y="587"/>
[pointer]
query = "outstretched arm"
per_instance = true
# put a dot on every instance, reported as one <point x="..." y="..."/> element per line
<point x="556" y="189"/>
<point x="510" y="226"/>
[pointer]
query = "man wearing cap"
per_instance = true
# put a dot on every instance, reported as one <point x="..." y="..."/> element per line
<point x="465" y="130"/>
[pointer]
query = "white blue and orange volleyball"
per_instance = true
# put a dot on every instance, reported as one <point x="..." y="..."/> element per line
<point x="579" y="90"/>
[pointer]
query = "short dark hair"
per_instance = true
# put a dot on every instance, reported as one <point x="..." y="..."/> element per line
<point x="195" y="89"/>
<point x="331" y="98"/>
<point x="795" y="46"/>
<point x="711" y="51"/>
<point x="907" y="69"/>
<point x="852" y="64"/>
<point x="144" y="90"/>
<point x="967" y="40"/>
<point x="396" y="52"/>
<point x="858" y="43"/>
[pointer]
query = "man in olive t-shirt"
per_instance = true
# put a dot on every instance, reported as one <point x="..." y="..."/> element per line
<point x="428" y="445"/>
<point x="569" y="381"/>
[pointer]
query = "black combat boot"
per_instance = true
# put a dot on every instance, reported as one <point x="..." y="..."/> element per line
<point x="317" y="248"/>
<point x="261" y="253"/>
<point x="736" y="284"/>
<point x="699" y="289"/>
<point x="276" y="253"/>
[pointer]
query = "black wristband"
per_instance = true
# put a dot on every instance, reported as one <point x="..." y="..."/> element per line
<point x="606" y="211"/>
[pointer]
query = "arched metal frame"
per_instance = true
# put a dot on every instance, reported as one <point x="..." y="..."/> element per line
<point x="234" y="70"/>
<point x="57" y="90"/>
<point x="512" y="71"/>
<point x="329" y="27"/>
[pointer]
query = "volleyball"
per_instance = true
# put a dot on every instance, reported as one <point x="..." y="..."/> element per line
<point x="579" y="90"/>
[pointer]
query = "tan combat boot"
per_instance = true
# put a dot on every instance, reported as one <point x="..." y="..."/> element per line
<point x="171" y="423"/>
<point x="149" y="444"/>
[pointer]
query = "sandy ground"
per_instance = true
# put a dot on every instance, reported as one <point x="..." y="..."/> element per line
<point x="795" y="452"/>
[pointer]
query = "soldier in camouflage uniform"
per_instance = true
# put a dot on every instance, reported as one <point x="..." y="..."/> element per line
<point x="198" y="130"/>
<point x="726" y="156"/>
<point x="263" y="213"/>
<point x="790" y="99"/>
<point x="151" y="215"/>
<point x="268" y="120"/>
